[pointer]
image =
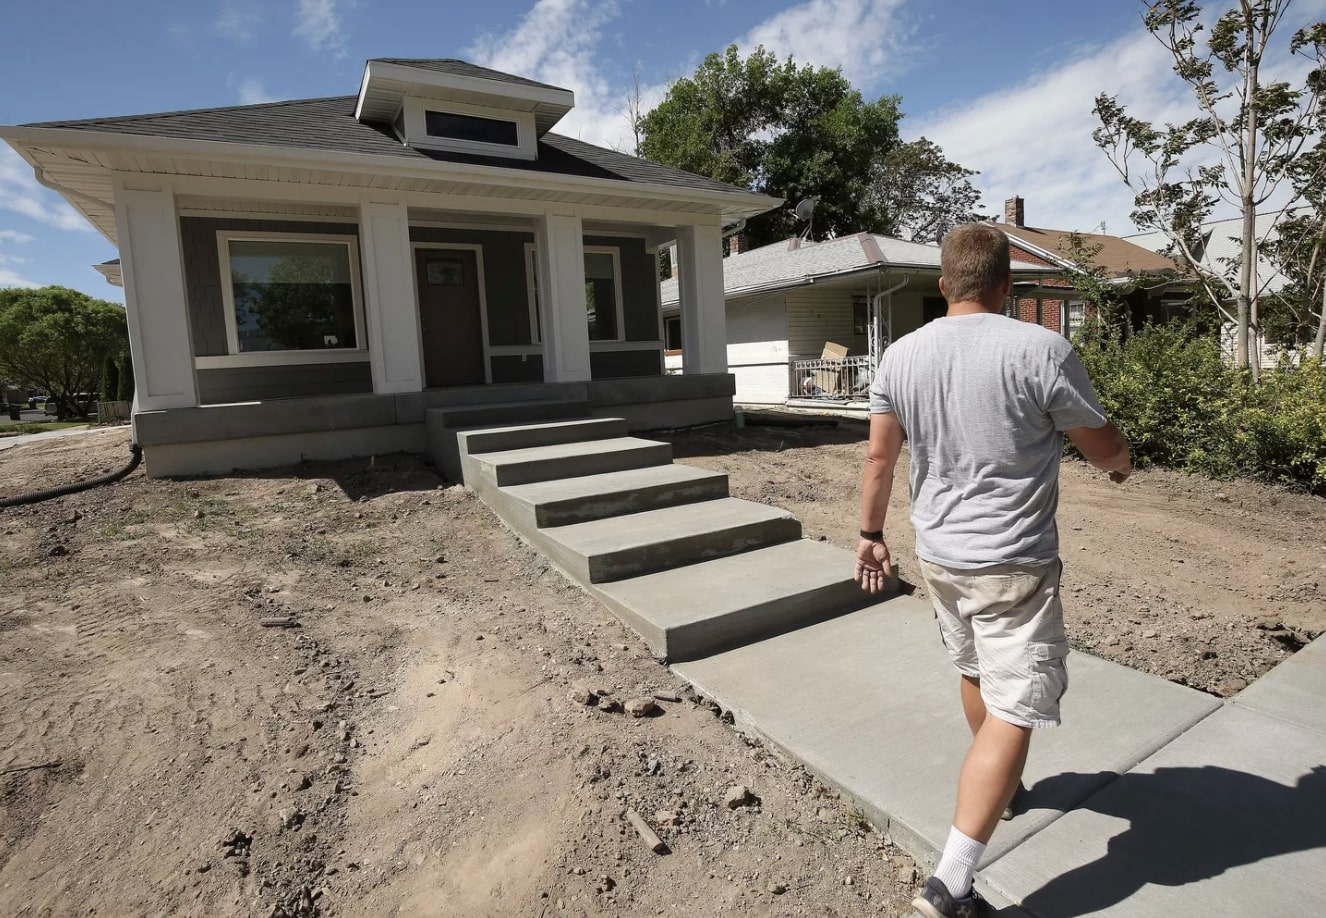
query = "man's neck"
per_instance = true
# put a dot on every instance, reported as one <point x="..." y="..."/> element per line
<point x="973" y="308"/>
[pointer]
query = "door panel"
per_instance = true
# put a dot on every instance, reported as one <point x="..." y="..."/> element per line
<point x="449" y="316"/>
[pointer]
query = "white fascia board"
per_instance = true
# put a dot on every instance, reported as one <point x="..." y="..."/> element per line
<point x="1034" y="249"/>
<point x="742" y="203"/>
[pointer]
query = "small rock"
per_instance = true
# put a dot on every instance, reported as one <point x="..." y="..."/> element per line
<point x="367" y="598"/>
<point x="848" y="881"/>
<point x="203" y="867"/>
<point x="583" y="694"/>
<point x="421" y="742"/>
<point x="777" y="888"/>
<point x="1150" y="634"/>
<point x="1222" y="497"/>
<point x="199" y="514"/>
<point x="641" y="707"/>
<point x="58" y="551"/>
<point x="667" y="818"/>
<point x="74" y="517"/>
<point x="738" y="796"/>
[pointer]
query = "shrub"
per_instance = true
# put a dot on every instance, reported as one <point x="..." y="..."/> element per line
<point x="1181" y="406"/>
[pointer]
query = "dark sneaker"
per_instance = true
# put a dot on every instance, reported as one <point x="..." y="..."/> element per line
<point x="1016" y="805"/>
<point x="935" y="902"/>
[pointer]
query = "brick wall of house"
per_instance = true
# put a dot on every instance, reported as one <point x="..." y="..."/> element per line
<point x="1051" y="310"/>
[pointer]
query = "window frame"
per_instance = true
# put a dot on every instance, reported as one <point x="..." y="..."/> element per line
<point x="1067" y="325"/>
<point x="236" y="358"/>
<point x="531" y="269"/>
<point x="416" y="129"/>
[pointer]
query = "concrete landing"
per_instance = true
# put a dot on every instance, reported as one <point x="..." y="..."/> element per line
<point x="640" y="543"/>
<point x="1229" y="819"/>
<point x="703" y="608"/>
<point x="1294" y="691"/>
<point x="590" y="497"/>
<point x="869" y="703"/>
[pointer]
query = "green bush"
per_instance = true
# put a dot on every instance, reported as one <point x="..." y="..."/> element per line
<point x="1183" y="407"/>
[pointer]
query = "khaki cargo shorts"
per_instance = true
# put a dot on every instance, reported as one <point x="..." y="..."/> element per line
<point x="1004" y="625"/>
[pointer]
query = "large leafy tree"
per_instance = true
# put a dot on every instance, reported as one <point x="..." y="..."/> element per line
<point x="58" y="339"/>
<point x="1241" y="144"/>
<point x="798" y="131"/>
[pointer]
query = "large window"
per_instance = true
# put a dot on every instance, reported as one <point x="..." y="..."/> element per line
<point x="288" y="293"/>
<point x="471" y="128"/>
<point x="603" y="293"/>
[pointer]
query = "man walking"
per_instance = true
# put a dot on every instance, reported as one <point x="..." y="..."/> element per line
<point x="983" y="401"/>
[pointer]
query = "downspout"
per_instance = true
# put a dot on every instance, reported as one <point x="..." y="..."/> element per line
<point x="876" y="351"/>
<point x="59" y="189"/>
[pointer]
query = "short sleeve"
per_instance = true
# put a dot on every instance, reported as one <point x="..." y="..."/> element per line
<point x="881" y="402"/>
<point x="1071" y="400"/>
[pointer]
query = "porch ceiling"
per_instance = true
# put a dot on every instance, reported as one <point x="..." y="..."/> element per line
<point x="83" y="175"/>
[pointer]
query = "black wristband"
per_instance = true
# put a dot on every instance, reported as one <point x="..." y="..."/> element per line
<point x="876" y="536"/>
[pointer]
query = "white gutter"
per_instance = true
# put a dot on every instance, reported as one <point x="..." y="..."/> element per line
<point x="376" y="164"/>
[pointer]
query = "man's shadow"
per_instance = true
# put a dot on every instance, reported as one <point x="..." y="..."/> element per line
<point x="1187" y="824"/>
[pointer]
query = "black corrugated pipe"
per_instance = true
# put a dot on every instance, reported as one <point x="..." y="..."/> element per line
<point x="35" y="497"/>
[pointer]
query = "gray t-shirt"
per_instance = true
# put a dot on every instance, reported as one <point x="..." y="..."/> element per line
<point x="984" y="399"/>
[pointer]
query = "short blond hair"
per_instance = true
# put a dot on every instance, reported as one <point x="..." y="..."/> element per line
<point x="974" y="261"/>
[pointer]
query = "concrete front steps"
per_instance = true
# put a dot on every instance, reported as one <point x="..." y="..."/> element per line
<point x="691" y="569"/>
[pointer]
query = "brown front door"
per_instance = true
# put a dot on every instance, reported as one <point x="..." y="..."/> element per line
<point x="448" y="284"/>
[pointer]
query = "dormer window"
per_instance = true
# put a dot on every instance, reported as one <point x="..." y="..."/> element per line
<point x="471" y="128"/>
<point x="457" y="107"/>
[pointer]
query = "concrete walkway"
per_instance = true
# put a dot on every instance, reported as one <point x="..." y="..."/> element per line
<point x="24" y="439"/>
<point x="1152" y="799"/>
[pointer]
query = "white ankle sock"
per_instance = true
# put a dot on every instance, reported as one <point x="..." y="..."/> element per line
<point x="958" y="863"/>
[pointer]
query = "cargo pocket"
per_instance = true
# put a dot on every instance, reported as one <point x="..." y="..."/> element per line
<point x="1049" y="675"/>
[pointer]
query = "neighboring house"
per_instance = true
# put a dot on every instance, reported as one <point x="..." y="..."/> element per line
<point x="1219" y="252"/>
<point x="1158" y="298"/>
<point x="788" y="300"/>
<point x="306" y="279"/>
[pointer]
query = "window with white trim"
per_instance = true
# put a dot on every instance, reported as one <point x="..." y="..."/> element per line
<point x="603" y="293"/>
<point x="286" y="292"/>
<point x="1075" y="316"/>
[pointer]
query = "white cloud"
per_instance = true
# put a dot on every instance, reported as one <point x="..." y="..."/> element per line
<point x="238" y="21"/>
<point x="557" y="42"/>
<point x="20" y="193"/>
<point x="15" y="236"/>
<point x="318" y="24"/>
<point x="251" y="92"/>
<point x="866" y="38"/>
<point x="10" y="279"/>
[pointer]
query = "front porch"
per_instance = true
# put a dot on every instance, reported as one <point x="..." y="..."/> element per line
<point x="326" y="330"/>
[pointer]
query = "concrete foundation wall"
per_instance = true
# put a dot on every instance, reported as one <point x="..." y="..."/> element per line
<point x="218" y="439"/>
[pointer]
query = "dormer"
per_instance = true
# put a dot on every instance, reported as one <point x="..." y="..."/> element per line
<point x="457" y="107"/>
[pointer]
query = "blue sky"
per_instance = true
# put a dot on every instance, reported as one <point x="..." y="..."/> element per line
<point x="1005" y="88"/>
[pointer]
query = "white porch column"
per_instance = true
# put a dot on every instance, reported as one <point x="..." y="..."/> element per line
<point x="156" y="307"/>
<point x="560" y="242"/>
<point x="703" y="309"/>
<point x="395" y="345"/>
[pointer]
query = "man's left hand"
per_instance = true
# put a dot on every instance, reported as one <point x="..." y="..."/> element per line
<point x="874" y="566"/>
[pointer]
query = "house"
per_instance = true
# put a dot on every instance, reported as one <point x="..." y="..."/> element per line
<point x="1219" y="251"/>
<point x="319" y="278"/>
<point x="788" y="300"/>
<point x="1160" y="299"/>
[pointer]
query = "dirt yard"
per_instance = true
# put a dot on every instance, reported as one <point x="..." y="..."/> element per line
<point x="418" y="743"/>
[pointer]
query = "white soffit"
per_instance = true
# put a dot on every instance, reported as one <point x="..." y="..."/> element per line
<point x="385" y="86"/>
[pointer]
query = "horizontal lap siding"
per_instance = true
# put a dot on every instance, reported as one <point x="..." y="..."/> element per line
<point x="815" y="317"/>
<point x="757" y="350"/>
<point x="252" y="384"/>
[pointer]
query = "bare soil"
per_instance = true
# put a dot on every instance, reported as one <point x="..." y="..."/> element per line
<point x="417" y="744"/>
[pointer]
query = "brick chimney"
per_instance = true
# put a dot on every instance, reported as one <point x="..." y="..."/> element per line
<point x="736" y="244"/>
<point x="1014" y="214"/>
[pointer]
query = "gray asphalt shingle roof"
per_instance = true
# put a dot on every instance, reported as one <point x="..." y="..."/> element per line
<point x="463" y="68"/>
<point x="330" y="125"/>
<point x="775" y="265"/>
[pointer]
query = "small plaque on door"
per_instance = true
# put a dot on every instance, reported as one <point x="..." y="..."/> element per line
<point x="447" y="272"/>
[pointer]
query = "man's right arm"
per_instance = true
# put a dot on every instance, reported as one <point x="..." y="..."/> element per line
<point x="1104" y="447"/>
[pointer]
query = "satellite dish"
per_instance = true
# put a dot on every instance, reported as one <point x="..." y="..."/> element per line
<point x="805" y="212"/>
